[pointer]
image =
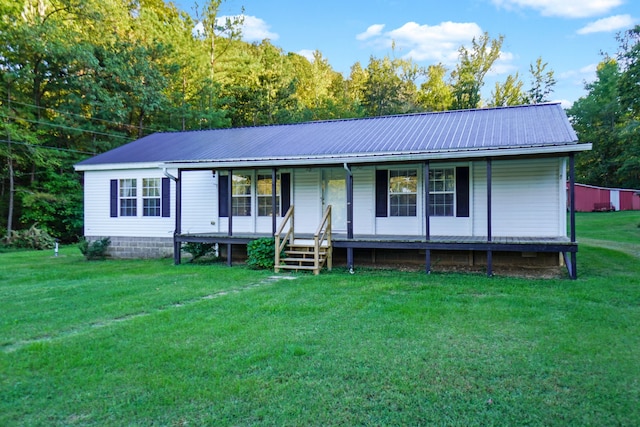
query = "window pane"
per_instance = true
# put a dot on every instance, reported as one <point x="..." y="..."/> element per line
<point x="128" y="201"/>
<point x="403" y="189"/>
<point x="151" y="196"/>
<point x="442" y="186"/>
<point x="264" y="195"/>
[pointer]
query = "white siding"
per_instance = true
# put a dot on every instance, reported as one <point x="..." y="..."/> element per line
<point x="307" y="199"/>
<point x="364" y="209"/>
<point x="527" y="200"/>
<point x="97" y="220"/>
<point x="199" y="202"/>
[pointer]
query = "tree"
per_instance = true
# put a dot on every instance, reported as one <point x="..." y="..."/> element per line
<point x="542" y="82"/>
<point x="508" y="93"/>
<point x="597" y="118"/>
<point x="435" y="94"/>
<point x="473" y="66"/>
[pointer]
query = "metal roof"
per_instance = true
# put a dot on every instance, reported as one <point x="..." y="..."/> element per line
<point x="423" y="134"/>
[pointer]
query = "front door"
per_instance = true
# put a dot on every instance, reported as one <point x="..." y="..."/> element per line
<point x="334" y="193"/>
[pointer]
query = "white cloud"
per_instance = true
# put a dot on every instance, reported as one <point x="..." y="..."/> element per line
<point x="503" y="65"/>
<point x="253" y="29"/>
<point x="372" y="31"/>
<point x="307" y="53"/>
<point x="563" y="8"/>
<point x="607" y="25"/>
<point x="437" y="43"/>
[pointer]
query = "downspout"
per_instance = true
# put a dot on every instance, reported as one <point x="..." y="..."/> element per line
<point x="168" y="175"/>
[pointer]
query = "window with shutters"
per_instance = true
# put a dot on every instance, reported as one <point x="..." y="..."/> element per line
<point x="151" y="197"/>
<point x="403" y="192"/>
<point x="442" y="191"/>
<point x="128" y="197"/>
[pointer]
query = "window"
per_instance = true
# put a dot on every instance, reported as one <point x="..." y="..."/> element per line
<point x="264" y="191"/>
<point x="151" y="197"/>
<point x="403" y="192"/>
<point x="241" y="195"/>
<point x="128" y="197"/>
<point x="442" y="189"/>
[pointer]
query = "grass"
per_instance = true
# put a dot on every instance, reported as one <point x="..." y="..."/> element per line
<point x="148" y="343"/>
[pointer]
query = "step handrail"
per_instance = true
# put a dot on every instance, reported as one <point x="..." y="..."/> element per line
<point x="288" y="237"/>
<point x="322" y="234"/>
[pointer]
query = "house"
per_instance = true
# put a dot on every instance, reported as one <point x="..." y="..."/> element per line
<point x="470" y="186"/>
<point x="590" y="198"/>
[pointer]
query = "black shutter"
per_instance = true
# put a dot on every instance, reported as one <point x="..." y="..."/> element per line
<point x="285" y="192"/>
<point x="166" y="198"/>
<point x="462" y="191"/>
<point x="382" y="191"/>
<point x="223" y="196"/>
<point x="114" y="198"/>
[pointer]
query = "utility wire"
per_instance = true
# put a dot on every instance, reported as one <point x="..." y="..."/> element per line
<point x="12" y="142"/>
<point x="67" y="127"/>
<point x="80" y="115"/>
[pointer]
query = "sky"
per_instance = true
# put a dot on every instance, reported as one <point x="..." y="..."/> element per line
<point x="569" y="35"/>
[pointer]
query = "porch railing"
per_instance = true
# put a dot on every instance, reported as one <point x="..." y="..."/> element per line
<point x="281" y="242"/>
<point x="322" y="239"/>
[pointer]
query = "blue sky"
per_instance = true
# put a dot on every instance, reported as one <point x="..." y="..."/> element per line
<point x="568" y="34"/>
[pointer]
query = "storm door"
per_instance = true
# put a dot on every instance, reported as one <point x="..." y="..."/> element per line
<point x="334" y="193"/>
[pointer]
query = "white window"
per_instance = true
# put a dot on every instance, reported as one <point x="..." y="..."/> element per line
<point x="241" y="195"/>
<point x="442" y="187"/>
<point x="403" y="192"/>
<point x="264" y="190"/>
<point x="128" y="197"/>
<point x="151" y="197"/>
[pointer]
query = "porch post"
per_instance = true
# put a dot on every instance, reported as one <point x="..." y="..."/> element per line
<point x="177" y="246"/>
<point x="274" y="201"/>
<point x="349" y="215"/>
<point x="427" y="225"/>
<point x="230" y="223"/>
<point x="572" y="213"/>
<point x="489" y="237"/>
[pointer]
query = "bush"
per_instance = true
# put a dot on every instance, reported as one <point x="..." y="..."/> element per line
<point x="261" y="253"/>
<point x="198" y="250"/>
<point x="95" y="250"/>
<point x="31" y="238"/>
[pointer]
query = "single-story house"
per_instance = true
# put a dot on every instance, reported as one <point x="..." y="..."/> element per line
<point x="466" y="186"/>
<point x="591" y="198"/>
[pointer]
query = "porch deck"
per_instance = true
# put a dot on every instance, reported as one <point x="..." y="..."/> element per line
<point x="340" y="240"/>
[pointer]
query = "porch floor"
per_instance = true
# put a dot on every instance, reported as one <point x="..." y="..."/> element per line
<point x="340" y="240"/>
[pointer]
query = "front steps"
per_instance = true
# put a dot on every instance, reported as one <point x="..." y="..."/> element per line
<point x="301" y="255"/>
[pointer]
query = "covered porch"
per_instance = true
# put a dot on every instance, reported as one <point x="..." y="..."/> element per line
<point x="489" y="244"/>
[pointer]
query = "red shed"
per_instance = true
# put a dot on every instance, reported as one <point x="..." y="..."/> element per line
<point x="590" y="198"/>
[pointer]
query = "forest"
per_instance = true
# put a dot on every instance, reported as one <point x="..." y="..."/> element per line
<point x="80" y="77"/>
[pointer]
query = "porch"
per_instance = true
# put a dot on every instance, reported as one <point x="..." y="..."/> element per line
<point x="523" y="245"/>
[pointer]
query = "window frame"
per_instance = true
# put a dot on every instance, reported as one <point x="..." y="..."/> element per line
<point x="442" y="198"/>
<point x="264" y="209"/>
<point x="406" y="202"/>
<point x="246" y="196"/>
<point x="128" y="197"/>
<point x="156" y="209"/>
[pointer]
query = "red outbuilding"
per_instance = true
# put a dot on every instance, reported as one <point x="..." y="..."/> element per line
<point x="590" y="198"/>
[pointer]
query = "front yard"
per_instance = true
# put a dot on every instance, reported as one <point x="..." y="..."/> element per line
<point x="150" y="343"/>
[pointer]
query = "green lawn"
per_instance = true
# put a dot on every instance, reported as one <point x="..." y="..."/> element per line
<point x="149" y="343"/>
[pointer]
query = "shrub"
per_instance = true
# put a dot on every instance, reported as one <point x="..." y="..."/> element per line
<point x="31" y="238"/>
<point x="261" y="253"/>
<point x="198" y="250"/>
<point x="95" y="250"/>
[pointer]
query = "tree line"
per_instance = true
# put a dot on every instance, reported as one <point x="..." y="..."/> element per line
<point x="80" y="77"/>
